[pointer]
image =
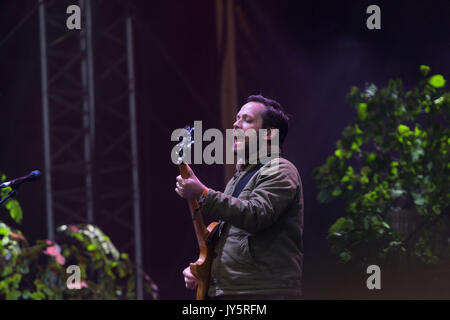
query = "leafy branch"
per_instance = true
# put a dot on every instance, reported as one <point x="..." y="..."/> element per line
<point x="391" y="164"/>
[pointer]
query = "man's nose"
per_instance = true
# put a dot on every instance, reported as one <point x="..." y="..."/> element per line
<point x="237" y="124"/>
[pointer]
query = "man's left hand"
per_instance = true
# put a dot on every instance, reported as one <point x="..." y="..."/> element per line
<point x="190" y="188"/>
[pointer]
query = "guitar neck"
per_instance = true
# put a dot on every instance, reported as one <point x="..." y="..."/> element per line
<point x="197" y="218"/>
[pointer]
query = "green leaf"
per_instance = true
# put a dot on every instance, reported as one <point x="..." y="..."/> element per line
<point x="403" y="130"/>
<point x="354" y="91"/>
<point x="371" y="157"/>
<point x="394" y="172"/>
<point x="417" y="132"/>
<point x="48" y="291"/>
<point x="417" y="153"/>
<point x="345" y="256"/>
<point x="424" y="69"/>
<point x="7" y="271"/>
<point x="437" y="209"/>
<point x="362" y="111"/>
<point x="396" y="193"/>
<point x="4" y="230"/>
<point x="371" y="90"/>
<point x="37" y="295"/>
<point x="437" y="81"/>
<point x="350" y="170"/>
<point x="355" y="147"/>
<point x="13" y="295"/>
<point x="341" y="225"/>
<point x="331" y="160"/>
<point x="336" y="192"/>
<point x="365" y="170"/>
<point x="26" y="294"/>
<point x="15" y="211"/>
<point x="439" y="101"/>
<point x="337" y="226"/>
<point x="336" y="234"/>
<point x="418" y="199"/>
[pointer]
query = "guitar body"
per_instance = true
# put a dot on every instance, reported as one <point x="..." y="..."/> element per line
<point x="201" y="269"/>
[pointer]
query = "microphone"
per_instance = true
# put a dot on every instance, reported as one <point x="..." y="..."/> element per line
<point x="32" y="176"/>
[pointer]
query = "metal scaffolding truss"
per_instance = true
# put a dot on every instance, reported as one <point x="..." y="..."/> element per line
<point x="89" y="114"/>
<point x="67" y="113"/>
<point x="117" y="151"/>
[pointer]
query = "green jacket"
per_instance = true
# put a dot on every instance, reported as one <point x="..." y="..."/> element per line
<point x="260" y="251"/>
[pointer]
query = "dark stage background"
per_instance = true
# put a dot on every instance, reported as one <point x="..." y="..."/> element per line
<point x="306" y="54"/>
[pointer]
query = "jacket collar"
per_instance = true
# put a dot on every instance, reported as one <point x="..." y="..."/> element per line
<point x="250" y="164"/>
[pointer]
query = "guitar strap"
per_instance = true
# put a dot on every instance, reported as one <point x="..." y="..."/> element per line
<point x="237" y="191"/>
<point x="245" y="179"/>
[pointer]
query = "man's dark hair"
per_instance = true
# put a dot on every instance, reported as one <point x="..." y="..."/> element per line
<point x="274" y="116"/>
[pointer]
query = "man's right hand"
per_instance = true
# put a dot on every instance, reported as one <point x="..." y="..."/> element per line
<point x="190" y="280"/>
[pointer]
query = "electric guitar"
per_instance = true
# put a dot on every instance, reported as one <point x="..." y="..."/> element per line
<point x="206" y="236"/>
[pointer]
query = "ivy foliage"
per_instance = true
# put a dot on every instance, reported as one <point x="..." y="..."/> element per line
<point x="43" y="270"/>
<point x="392" y="159"/>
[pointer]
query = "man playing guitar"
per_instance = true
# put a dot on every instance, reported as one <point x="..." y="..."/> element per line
<point x="259" y="251"/>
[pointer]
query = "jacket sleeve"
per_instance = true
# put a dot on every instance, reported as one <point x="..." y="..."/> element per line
<point x="272" y="194"/>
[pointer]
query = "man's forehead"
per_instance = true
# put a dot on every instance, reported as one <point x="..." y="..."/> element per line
<point x="252" y="108"/>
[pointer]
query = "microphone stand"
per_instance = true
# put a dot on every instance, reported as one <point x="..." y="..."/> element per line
<point x="14" y="184"/>
<point x="11" y="195"/>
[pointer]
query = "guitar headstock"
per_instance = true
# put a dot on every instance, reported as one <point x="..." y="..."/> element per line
<point x="184" y="146"/>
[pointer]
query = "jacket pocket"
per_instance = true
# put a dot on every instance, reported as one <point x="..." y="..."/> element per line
<point x="237" y="248"/>
<point x="244" y="248"/>
<point x="248" y="251"/>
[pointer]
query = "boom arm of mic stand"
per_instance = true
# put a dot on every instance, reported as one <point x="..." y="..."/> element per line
<point x="11" y="194"/>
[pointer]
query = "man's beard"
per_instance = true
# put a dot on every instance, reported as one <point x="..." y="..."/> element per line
<point x="244" y="156"/>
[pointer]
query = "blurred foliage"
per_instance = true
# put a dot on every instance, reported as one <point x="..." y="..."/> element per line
<point x="42" y="271"/>
<point x="13" y="206"/>
<point x="392" y="159"/>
